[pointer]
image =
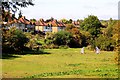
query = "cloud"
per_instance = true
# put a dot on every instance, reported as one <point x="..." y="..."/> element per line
<point x="72" y="9"/>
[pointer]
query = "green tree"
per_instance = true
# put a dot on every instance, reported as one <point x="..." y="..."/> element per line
<point x="62" y="38"/>
<point x="105" y="43"/>
<point x="85" y="37"/>
<point x="33" y="20"/>
<point x="92" y="25"/>
<point x="116" y="34"/>
<point x="77" y="37"/>
<point x="13" y="6"/>
<point x="33" y="41"/>
<point x="69" y="27"/>
<point x="70" y="21"/>
<point x="13" y="40"/>
<point x="65" y="21"/>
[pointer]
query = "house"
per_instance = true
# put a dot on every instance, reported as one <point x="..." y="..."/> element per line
<point x="51" y="25"/>
<point x="21" y="23"/>
<point x="25" y="24"/>
<point x="41" y="25"/>
<point x="57" y="26"/>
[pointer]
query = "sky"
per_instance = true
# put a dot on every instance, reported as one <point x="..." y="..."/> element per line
<point x="72" y="9"/>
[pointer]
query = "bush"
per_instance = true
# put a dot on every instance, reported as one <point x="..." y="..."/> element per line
<point x="105" y="43"/>
<point x="34" y="41"/>
<point x="50" y="46"/>
<point x="63" y="47"/>
<point x="13" y="40"/>
<point x="62" y="38"/>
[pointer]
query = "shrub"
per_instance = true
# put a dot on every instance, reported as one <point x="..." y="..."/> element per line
<point x="105" y="43"/>
<point x="62" y="38"/>
<point x="34" y="41"/>
<point x="50" y="46"/>
<point x="63" y="47"/>
<point x="13" y="40"/>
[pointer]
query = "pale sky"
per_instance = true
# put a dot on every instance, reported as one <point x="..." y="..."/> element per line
<point x="72" y="9"/>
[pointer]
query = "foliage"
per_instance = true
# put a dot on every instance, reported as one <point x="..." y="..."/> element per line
<point x="109" y="37"/>
<point x="62" y="38"/>
<point x="33" y="41"/>
<point x="70" y="21"/>
<point x="33" y="20"/>
<point x="20" y="14"/>
<point x="92" y="25"/>
<point x="77" y="37"/>
<point x="13" y="6"/>
<point x="49" y="38"/>
<point x="63" y="47"/>
<point x="65" y="21"/>
<point x="105" y="43"/>
<point x="69" y="27"/>
<point x="116" y="32"/>
<point x="50" y="46"/>
<point x="86" y="36"/>
<point x="13" y="40"/>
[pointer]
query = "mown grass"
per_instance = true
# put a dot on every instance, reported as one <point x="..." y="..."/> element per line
<point x="61" y="63"/>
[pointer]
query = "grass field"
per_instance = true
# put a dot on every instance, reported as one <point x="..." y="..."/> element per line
<point x="61" y="63"/>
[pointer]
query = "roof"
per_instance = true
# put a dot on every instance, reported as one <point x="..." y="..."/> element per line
<point x="23" y="20"/>
<point x="55" y="23"/>
<point x="20" y="20"/>
<point x="40" y="23"/>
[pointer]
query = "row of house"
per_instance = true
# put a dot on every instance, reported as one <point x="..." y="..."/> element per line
<point x="52" y="25"/>
<point x="21" y="23"/>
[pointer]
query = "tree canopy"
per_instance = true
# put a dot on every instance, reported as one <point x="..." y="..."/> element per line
<point x="14" y="6"/>
<point x="92" y="25"/>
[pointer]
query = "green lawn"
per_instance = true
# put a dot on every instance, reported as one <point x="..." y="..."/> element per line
<point x="61" y="63"/>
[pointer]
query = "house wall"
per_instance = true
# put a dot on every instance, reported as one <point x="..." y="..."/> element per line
<point x="54" y="29"/>
<point x="30" y="27"/>
<point x="14" y="25"/>
<point x="39" y="28"/>
<point x="47" y="29"/>
<point x="61" y="28"/>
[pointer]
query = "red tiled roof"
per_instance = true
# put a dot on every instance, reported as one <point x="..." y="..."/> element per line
<point x="54" y="23"/>
<point x="23" y="20"/>
<point x="13" y="21"/>
<point x="40" y="23"/>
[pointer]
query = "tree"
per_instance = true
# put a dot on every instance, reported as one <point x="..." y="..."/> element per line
<point x="13" y="40"/>
<point x="70" y="21"/>
<point x="105" y="43"/>
<point x="13" y="6"/>
<point x="77" y="36"/>
<point x="69" y="27"/>
<point x="20" y="14"/>
<point x="65" y="21"/>
<point x="33" y="20"/>
<point x="62" y="38"/>
<point x="92" y="25"/>
<point x="85" y="36"/>
<point x="116" y="34"/>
